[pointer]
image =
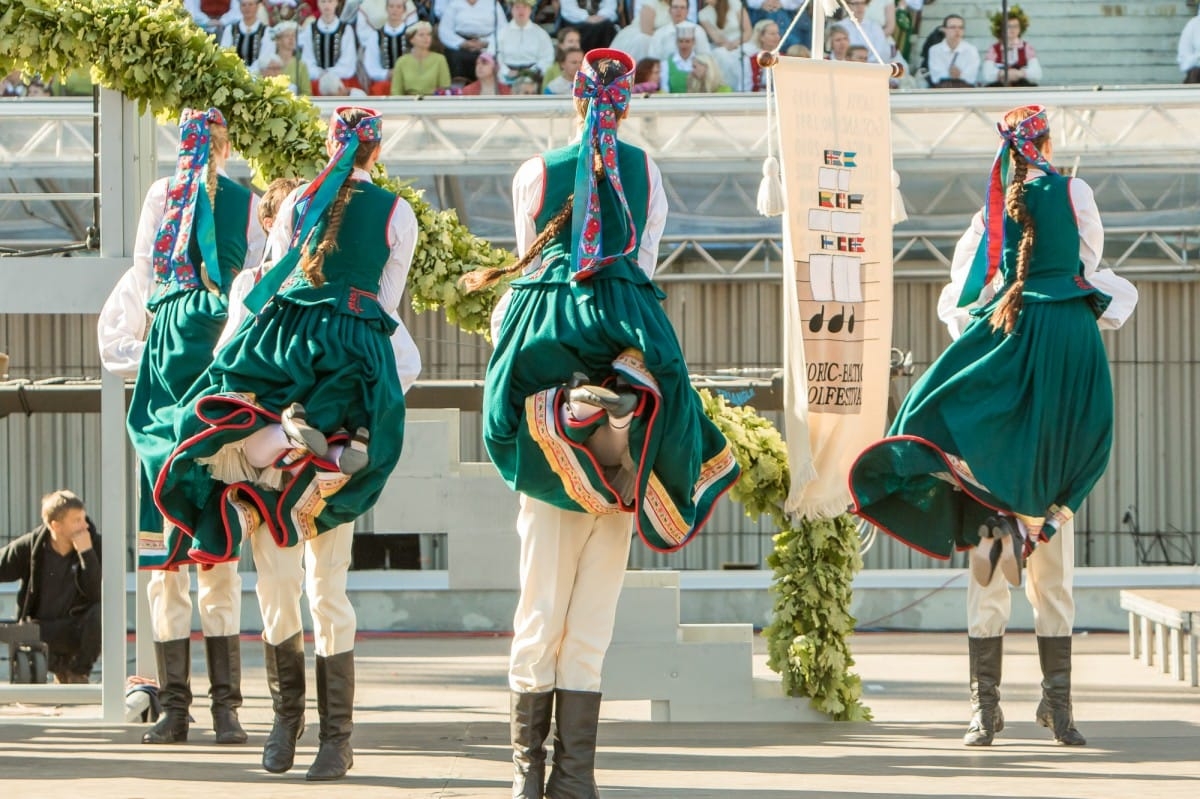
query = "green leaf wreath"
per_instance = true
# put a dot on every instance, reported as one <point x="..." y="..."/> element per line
<point x="155" y="54"/>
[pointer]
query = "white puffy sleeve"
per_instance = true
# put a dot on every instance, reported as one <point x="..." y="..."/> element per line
<point x="527" y="201"/>
<point x="121" y="328"/>
<point x="955" y="318"/>
<point x="1091" y="247"/>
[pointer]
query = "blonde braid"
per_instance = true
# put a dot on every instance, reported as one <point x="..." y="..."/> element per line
<point x="1004" y="316"/>
<point x="313" y="261"/>
<point x="483" y="278"/>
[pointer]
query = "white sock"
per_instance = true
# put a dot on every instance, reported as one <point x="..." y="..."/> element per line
<point x="264" y="446"/>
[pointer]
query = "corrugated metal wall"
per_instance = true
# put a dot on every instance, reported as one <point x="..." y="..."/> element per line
<point x="722" y="324"/>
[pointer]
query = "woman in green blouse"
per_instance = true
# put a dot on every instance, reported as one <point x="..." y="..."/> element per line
<point x="420" y="71"/>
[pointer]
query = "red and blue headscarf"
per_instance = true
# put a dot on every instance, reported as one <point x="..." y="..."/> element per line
<point x="188" y="205"/>
<point x="1019" y="141"/>
<point x="317" y="196"/>
<point x="606" y="106"/>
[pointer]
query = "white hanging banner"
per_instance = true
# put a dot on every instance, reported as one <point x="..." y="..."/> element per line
<point x="835" y="153"/>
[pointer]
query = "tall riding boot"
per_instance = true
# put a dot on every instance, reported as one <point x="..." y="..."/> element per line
<point x="577" y="714"/>
<point x="987" y="718"/>
<point x="529" y="722"/>
<point x="225" y="686"/>
<point x="174" y="659"/>
<point x="285" y="679"/>
<point x="1054" y="711"/>
<point x="335" y="704"/>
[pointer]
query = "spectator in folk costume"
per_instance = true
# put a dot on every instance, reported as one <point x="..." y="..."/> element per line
<point x="586" y="384"/>
<point x="763" y="39"/>
<point x="58" y="566"/>
<point x="212" y="15"/>
<point x="968" y="462"/>
<point x="467" y="28"/>
<point x="522" y="46"/>
<point x="681" y="59"/>
<point x="329" y="44"/>
<point x="485" y="82"/>
<point x="270" y="422"/>
<point x="1024" y="69"/>
<point x="420" y="71"/>
<point x="382" y="48"/>
<point x="651" y="16"/>
<point x="285" y="61"/>
<point x="1188" y="52"/>
<point x="195" y="234"/>
<point x="568" y="62"/>
<point x="662" y="46"/>
<point x="250" y="37"/>
<point x="595" y="19"/>
<point x="953" y="62"/>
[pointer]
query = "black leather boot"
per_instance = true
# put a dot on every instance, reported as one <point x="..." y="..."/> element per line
<point x="285" y="679"/>
<point x="577" y="716"/>
<point x="529" y="723"/>
<point x="225" y="686"/>
<point x="987" y="718"/>
<point x="174" y="660"/>
<point x="335" y="703"/>
<point x="1054" y="711"/>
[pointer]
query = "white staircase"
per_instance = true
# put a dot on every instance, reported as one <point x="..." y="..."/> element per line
<point x="689" y="672"/>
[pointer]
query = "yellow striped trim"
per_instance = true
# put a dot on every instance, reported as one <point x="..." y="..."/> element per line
<point x="540" y="410"/>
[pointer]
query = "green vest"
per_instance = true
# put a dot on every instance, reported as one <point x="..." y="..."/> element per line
<point x="354" y="268"/>
<point x="1055" y="268"/>
<point x="560" y="183"/>
<point x="231" y="220"/>
<point x="676" y="78"/>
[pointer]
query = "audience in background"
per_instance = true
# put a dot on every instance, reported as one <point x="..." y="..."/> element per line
<point x="953" y="62"/>
<point x="1024" y="69"/>
<point x="1189" y="50"/>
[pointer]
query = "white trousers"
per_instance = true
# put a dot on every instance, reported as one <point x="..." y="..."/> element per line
<point x="318" y="568"/>
<point x="572" y="568"/>
<point x="1049" y="576"/>
<point x="218" y="597"/>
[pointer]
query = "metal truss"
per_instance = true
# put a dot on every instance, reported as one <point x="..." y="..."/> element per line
<point x="1134" y="146"/>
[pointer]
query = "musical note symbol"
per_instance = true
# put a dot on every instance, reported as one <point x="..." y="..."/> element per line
<point x="814" y="324"/>
<point x="850" y="323"/>
<point x="835" y="324"/>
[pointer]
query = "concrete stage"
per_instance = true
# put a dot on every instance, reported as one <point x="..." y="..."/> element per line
<point x="432" y="722"/>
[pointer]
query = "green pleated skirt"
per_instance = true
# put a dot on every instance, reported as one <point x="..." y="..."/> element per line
<point x="611" y="324"/>
<point x="1019" y="423"/>
<point x="342" y="368"/>
<point x="179" y="347"/>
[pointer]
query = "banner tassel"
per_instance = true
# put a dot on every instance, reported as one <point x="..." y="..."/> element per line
<point x="770" y="188"/>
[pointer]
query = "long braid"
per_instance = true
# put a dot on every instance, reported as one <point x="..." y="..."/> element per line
<point x="218" y="139"/>
<point x="313" y="261"/>
<point x="483" y="278"/>
<point x="608" y="70"/>
<point x="1004" y="316"/>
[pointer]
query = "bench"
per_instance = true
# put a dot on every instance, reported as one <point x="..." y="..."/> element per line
<point x="1175" y="616"/>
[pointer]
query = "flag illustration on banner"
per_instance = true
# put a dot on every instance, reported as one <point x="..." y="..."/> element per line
<point x="825" y="199"/>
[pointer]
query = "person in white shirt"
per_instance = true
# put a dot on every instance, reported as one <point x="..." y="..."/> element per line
<point x="250" y="37"/>
<point x="953" y="62"/>
<point x="1189" y="50"/>
<point x="521" y="45"/>
<point x="876" y="36"/>
<point x="329" y="44"/>
<point x="595" y="19"/>
<point x="663" y="43"/>
<point x="383" y="47"/>
<point x="467" y="28"/>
